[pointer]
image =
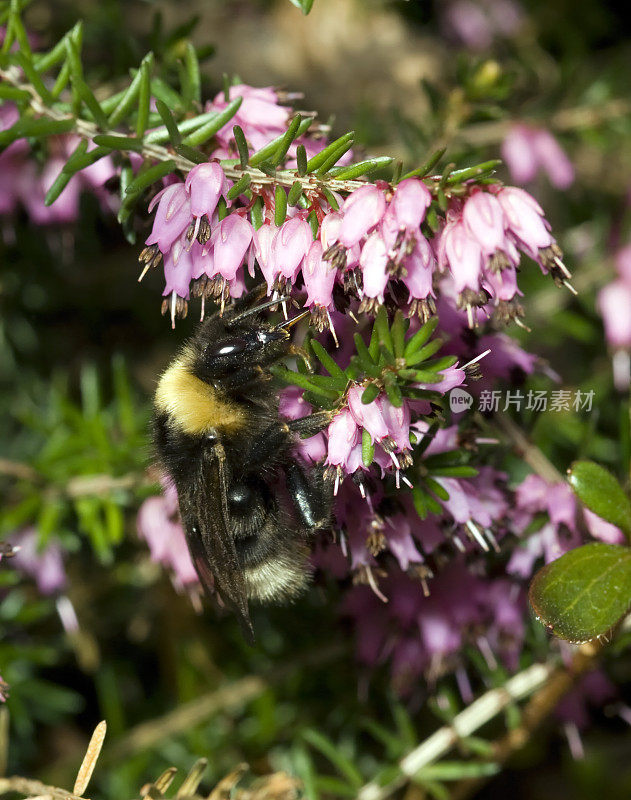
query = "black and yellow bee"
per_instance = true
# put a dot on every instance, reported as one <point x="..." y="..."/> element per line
<point x="219" y="436"/>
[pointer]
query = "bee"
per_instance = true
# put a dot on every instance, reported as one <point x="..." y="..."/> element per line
<point x="219" y="436"/>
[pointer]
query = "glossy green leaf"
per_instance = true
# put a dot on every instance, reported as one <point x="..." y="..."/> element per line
<point x="301" y="160"/>
<point x="170" y="124"/>
<point x="280" y="206"/>
<point x="288" y="138"/>
<point x="421" y="336"/>
<point x="370" y="393"/>
<point x="269" y="149"/>
<point x="242" y="145"/>
<point x="295" y="194"/>
<point x="118" y="142"/>
<point x="428" y="166"/>
<point x="584" y="593"/>
<point x="601" y="493"/>
<point x="150" y="176"/>
<point x="486" y="168"/>
<point x="240" y="186"/>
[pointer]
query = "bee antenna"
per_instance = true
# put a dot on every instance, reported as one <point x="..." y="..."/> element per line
<point x="261" y="307"/>
<point x="289" y="323"/>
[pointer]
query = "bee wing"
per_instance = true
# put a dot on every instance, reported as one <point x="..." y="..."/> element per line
<point x="207" y="525"/>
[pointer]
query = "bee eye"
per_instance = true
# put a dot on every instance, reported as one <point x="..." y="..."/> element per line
<point x="230" y="346"/>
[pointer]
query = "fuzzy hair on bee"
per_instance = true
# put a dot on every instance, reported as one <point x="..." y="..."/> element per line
<point x="248" y="505"/>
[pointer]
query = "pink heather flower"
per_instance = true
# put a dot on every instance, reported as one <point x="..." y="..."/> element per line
<point x="418" y="270"/>
<point x="373" y="262"/>
<point x="410" y="202"/>
<point x="519" y="154"/>
<point x="165" y="537"/>
<point x="172" y="217"/>
<point x="623" y="263"/>
<point x="318" y="276"/>
<point x="400" y="541"/>
<point x="463" y="255"/>
<point x="603" y="530"/>
<point x="179" y="268"/>
<point x="614" y="303"/>
<point x="526" y="150"/>
<point x="553" y="160"/>
<point x="4" y="690"/>
<point x="397" y="422"/>
<point x="484" y="219"/>
<point x="262" y="244"/>
<point x="330" y="229"/>
<point x="230" y="240"/>
<point x="206" y="183"/>
<point x="260" y="115"/>
<point x="343" y="435"/>
<point x="368" y="416"/>
<point x="525" y="219"/>
<point x="361" y="211"/>
<point x="45" y="565"/>
<point x="289" y="247"/>
<point x="593" y="690"/>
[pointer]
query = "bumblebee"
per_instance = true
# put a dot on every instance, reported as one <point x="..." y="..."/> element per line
<point x="248" y="506"/>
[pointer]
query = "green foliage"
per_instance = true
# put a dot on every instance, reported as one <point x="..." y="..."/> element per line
<point x="584" y="593"/>
<point x="86" y="465"/>
<point x="601" y="493"/>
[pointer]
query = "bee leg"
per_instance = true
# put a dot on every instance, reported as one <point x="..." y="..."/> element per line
<point x="279" y="435"/>
<point x="310" y="495"/>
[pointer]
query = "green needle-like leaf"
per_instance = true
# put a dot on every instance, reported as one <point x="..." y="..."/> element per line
<point x="194" y="155"/>
<point x="295" y="193"/>
<point x="601" y="493"/>
<point x="288" y="138"/>
<point x="428" y="166"/>
<point x="368" y="448"/>
<point x="370" y="393"/>
<point x="170" y="124"/>
<point x="301" y="160"/>
<point x="398" y="330"/>
<point x="335" y="156"/>
<point x="192" y="89"/>
<point x="144" y="98"/>
<point x="92" y="104"/>
<point x="460" y="175"/>
<point x="280" y="206"/>
<point x="33" y="76"/>
<point x="36" y="128"/>
<point x="240" y="186"/>
<point x="383" y="329"/>
<point x="204" y="133"/>
<point x="59" y="184"/>
<point x="150" y="176"/>
<point x="329" y="364"/>
<point x="584" y="593"/>
<point x="361" y="168"/>
<point x="318" y="160"/>
<point x="242" y="145"/>
<point x="269" y="149"/>
<point x="117" y="142"/>
<point x="424" y="353"/>
<point x="335" y="756"/>
<point x="421" y="336"/>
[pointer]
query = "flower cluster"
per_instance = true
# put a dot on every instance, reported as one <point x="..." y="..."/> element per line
<point x="24" y="183"/>
<point x="365" y="242"/>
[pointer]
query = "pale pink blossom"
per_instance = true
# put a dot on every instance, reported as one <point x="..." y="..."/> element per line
<point x="367" y="415"/>
<point x="230" y="241"/>
<point x="373" y="262"/>
<point x="361" y="212"/>
<point x="614" y="303"/>
<point x="318" y="276"/>
<point x="172" y="217"/>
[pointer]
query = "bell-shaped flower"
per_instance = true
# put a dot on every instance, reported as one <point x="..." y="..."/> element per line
<point x="262" y="246"/>
<point x="230" y="241"/>
<point x="361" y="211"/>
<point x="463" y="255"/>
<point x="397" y="422"/>
<point x="367" y="415"/>
<point x="525" y="219"/>
<point x="206" y="183"/>
<point x="290" y="245"/>
<point x="614" y="303"/>
<point x="318" y="276"/>
<point x="178" y="270"/>
<point x="484" y="220"/>
<point x="172" y="217"/>
<point x="343" y="435"/>
<point x="373" y="263"/>
<point x="410" y="202"/>
<point x="419" y="270"/>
